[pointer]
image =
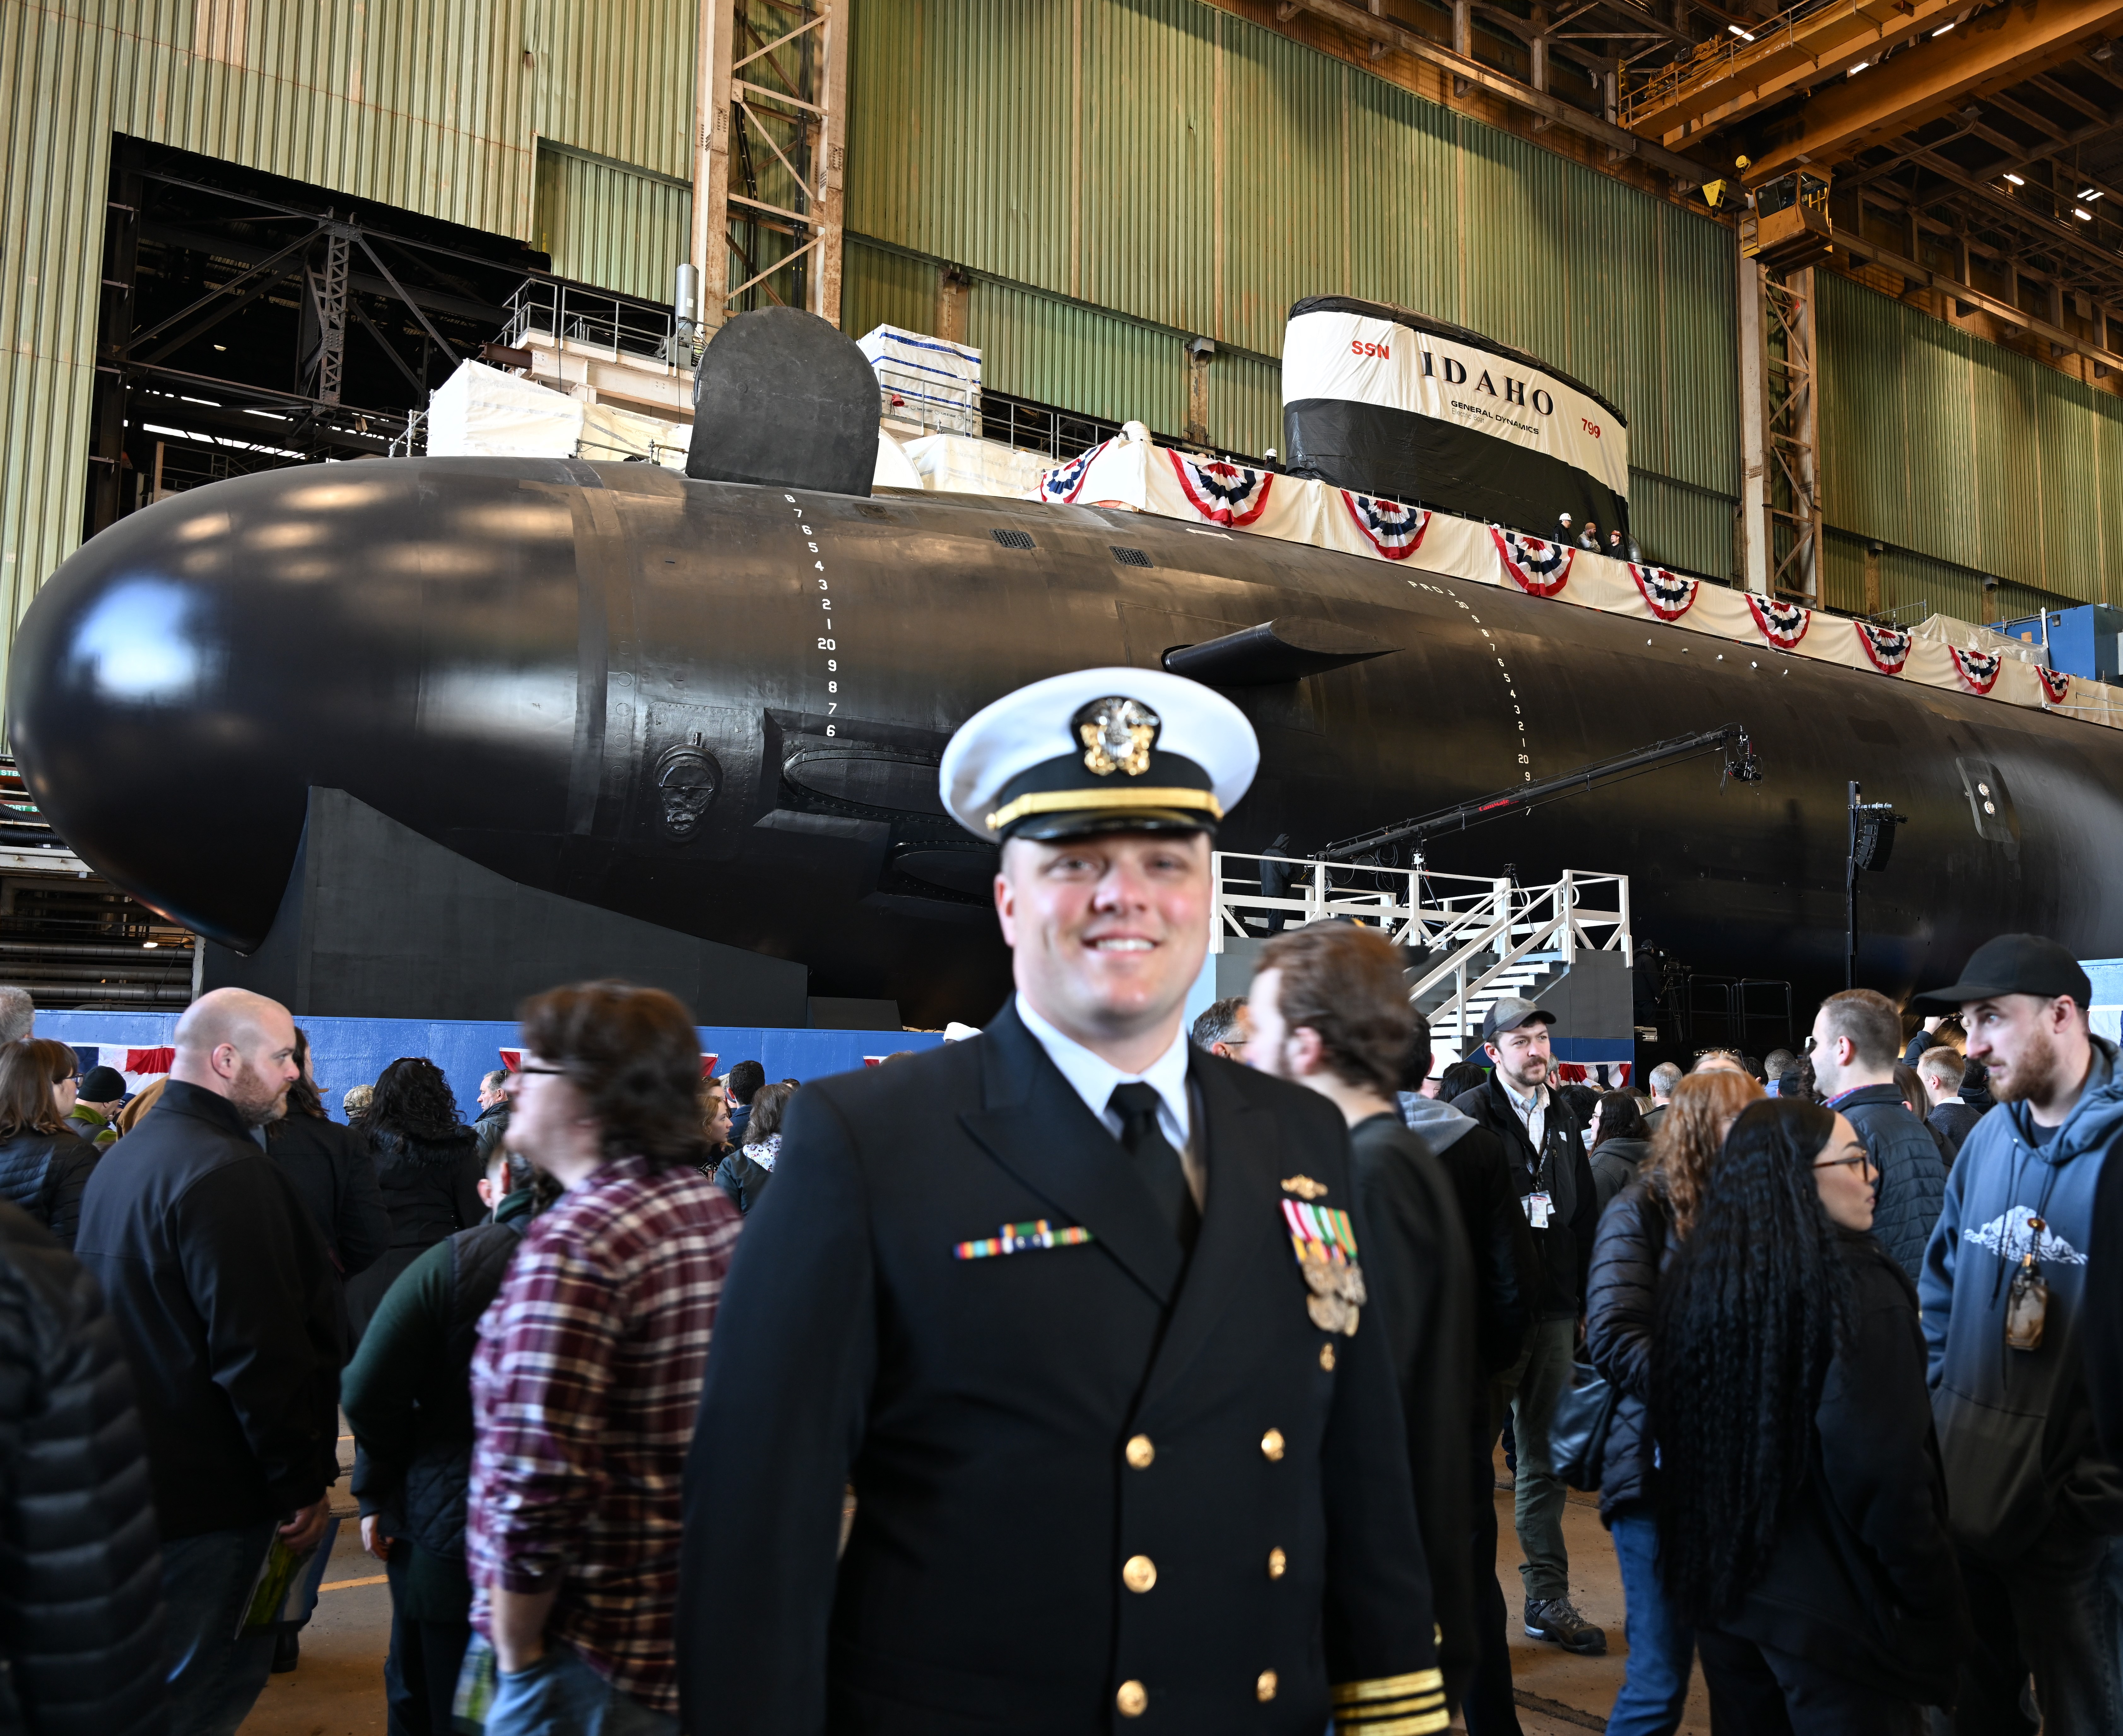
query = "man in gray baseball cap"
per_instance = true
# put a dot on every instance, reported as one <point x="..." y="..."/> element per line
<point x="1544" y="1150"/>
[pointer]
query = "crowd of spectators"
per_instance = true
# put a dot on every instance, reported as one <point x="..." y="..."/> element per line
<point x="1845" y="1507"/>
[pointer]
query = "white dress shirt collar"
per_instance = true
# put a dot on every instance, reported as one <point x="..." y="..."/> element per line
<point x="1093" y="1078"/>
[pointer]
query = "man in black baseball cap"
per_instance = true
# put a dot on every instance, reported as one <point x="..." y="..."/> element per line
<point x="96" y="1106"/>
<point x="2012" y="1319"/>
<point x="1544" y="1152"/>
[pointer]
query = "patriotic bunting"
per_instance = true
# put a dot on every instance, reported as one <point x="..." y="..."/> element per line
<point x="1393" y="530"/>
<point x="2055" y="688"/>
<point x="1228" y="495"/>
<point x="1666" y="595"/>
<point x="1783" y="625"/>
<point x="1978" y="669"/>
<point x="1540" y="568"/>
<point x="1607" y="1075"/>
<point x="1888" y="647"/>
<point x="1063" y="485"/>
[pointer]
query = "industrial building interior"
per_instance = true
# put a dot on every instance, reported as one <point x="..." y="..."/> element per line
<point x="1851" y="272"/>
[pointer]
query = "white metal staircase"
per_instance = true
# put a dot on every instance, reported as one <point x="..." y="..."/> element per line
<point x="1478" y="940"/>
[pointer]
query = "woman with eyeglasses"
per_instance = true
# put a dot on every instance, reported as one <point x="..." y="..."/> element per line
<point x="1639" y="1233"/>
<point x="44" y="1163"/>
<point x="1802" y="1508"/>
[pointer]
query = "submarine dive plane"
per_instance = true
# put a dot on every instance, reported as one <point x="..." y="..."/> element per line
<point x="719" y="705"/>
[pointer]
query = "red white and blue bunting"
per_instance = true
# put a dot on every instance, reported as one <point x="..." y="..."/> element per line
<point x="1541" y="568"/>
<point x="1666" y="595"/>
<point x="1063" y="485"/>
<point x="1228" y="495"/>
<point x="1393" y="530"/>
<point x="1888" y="647"/>
<point x="1977" y="669"/>
<point x="1783" y="625"/>
<point x="1607" y="1075"/>
<point x="2057" y="688"/>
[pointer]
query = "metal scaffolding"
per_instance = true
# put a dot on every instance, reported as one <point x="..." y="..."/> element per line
<point x="771" y="144"/>
<point x="1793" y="506"/>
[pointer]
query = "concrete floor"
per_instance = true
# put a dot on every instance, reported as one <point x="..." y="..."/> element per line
<point x="338" y="1690"/>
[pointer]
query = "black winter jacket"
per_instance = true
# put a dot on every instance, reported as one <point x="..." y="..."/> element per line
<point x="1615" y="1163"/>
<point x="44" y="1173"/>
<point x="430" y="1188"/>
<point x="1634" y="1243"/>
<point x="1506" y="1267"/>
<point x="328" y="1167"/>
<point x="1954" y="1122"/>
<point x="80" y="1589"/>
<point x="1561" y="1168"/>
<point x="221" y="1288"/>
<point x="1420" y="1276"/>
<point x="1865" y="1581"/>
<point x="1912" y="1185"/>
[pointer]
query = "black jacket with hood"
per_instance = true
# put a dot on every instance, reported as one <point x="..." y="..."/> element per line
<point x="1562" y="1169"/>
<point x="430" y="1188"/>
<point x="81" y="1597"/>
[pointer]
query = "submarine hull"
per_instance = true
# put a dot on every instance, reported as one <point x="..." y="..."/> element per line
<point x="719" y="707"/>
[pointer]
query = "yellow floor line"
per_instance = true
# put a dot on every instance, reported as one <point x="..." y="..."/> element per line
<point x="348" y="1584"/>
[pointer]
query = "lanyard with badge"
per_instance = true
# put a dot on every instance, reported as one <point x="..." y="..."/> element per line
<point x="1539" y="1204"/>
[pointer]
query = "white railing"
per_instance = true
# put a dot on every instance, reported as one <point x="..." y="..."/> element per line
<point x="1487" y="937"/>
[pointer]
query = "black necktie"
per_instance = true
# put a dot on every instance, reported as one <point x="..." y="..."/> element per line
<point x="1156" y="1161"/>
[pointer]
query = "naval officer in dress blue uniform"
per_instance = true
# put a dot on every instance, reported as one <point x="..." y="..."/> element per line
<point x="1078" y="1311"/>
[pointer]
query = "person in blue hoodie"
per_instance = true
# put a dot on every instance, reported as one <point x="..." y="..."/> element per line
<point x="2036" y="1504"/>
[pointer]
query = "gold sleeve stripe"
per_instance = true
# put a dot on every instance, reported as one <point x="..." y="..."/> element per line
<point x="1355" y="1718"/>
<point x="1387" y="1687"/>
<point x="1421" y="1725"/>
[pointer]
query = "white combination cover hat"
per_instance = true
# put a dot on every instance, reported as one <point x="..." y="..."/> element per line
<point x="1099" y="751"/>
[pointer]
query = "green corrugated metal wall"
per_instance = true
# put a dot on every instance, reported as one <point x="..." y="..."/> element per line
<point x="1166" y="160"/>
<point x="611" y="225"/>
<point x="428" y="104"/>
<point x="1964" y="459"/>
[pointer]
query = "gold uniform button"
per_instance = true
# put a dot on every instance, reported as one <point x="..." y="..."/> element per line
<point x="1264" y="1687"/>
<point x="1132" y="1697"/>
<point x="1140" y="1451"/>
<point x="1272" y="1445"/>
<point x="1138" y="1573"/>
<point x="1327" y="1357"/>
<point x="1277" y="1564"/>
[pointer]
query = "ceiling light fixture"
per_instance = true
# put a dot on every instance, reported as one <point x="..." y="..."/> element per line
<point x="1859" y="68"/>
<point x="1945" y="27"/>
<point x="2089" y="194"/>
<point x="2082" y="213"/>
<point x="2014" y="179"/>
<point x="1739" y="33"/>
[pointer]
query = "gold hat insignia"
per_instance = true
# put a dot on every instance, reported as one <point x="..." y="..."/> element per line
<point x="1118" y="735"/>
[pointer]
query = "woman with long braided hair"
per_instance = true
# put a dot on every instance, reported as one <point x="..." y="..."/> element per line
<point x="1802" y="1509"/>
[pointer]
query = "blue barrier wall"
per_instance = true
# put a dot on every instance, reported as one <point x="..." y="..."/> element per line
<point x="352" y="1051"/>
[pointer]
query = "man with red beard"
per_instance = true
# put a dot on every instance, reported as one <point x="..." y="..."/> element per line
<point x="2035" y="1503"/>
<point x="220" y="1285"/>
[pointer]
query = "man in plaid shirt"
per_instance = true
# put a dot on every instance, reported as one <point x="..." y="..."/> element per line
<point x="588" y="1369"/>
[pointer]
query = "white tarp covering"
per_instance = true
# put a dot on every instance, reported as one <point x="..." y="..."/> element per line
<point x="894" y="469"/>
<point x="958" y="464"/>
<point x="927" y="372"/>
<point x="1408" y="541"/>
<point x="482" y="411"/>
<point x="1344" y="355"/>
